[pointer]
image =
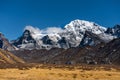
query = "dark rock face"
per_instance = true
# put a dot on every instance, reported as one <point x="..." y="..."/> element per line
<point x="115" y="31"/>
<point x="90" y="39"/>
<point x="26" y="38"/>
<point x="1" y="43"/>
<point x="64" y="43"/>
<point x="109" y="31"/>
<point x="47" y="40"/>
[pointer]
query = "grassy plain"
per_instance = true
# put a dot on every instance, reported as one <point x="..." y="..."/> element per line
<point x="52" y="73"/>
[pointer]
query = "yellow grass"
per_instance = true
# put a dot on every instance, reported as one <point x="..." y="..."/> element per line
<point x="7" y="57"/>
<point x="58" y="74"/>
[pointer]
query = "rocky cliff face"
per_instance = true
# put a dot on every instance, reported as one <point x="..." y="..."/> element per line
<point x="25" y="41"/>
<point x="115" y="31"/>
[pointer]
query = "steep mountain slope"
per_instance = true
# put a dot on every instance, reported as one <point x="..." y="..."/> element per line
<point x="25" y="41"/>
<point x="59" y="56"/>
<point x="90" y="39"/>
<point x="4" y="43"/>
<point x="110" y="53"/>
<point x="8" y="58"/>
<point x="76" y="33"/>
<point x="99" y="54"/>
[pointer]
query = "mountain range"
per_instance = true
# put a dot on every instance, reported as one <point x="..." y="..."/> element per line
<point x="100" y="54"/>
<point x="79" y="42"/>
<point x="77" y="33"/>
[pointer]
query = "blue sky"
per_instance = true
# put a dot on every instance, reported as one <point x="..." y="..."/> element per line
<point x="16" y="14"/>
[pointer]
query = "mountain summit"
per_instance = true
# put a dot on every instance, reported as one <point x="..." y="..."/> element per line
<point x="82" y="26"/>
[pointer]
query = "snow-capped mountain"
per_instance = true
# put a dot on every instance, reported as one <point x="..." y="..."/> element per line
<point x="76" y="33"/>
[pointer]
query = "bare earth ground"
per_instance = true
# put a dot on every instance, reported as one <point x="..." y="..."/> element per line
<point x="53" y="73"/>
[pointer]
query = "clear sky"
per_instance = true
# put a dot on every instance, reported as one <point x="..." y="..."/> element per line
<point x="16" y="14"/>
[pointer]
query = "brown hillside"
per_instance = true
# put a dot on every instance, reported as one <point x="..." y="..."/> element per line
<point x="100" y="54"/>
<point x="8" y="58"/>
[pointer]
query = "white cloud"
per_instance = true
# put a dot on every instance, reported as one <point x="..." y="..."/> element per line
<point x="38" y="34"/>
<point x="52" y="30"/>
<point x="32" y="29"/>
<point x="49" y="30"/>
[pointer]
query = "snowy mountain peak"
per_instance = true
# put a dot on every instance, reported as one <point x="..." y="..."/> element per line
<point x="82" y="25"/>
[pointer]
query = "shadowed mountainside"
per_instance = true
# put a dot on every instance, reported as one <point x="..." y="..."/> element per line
<point x="100" y="54"/>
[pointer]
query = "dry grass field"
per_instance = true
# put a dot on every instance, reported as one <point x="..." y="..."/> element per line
<point x="59" y="74"/>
